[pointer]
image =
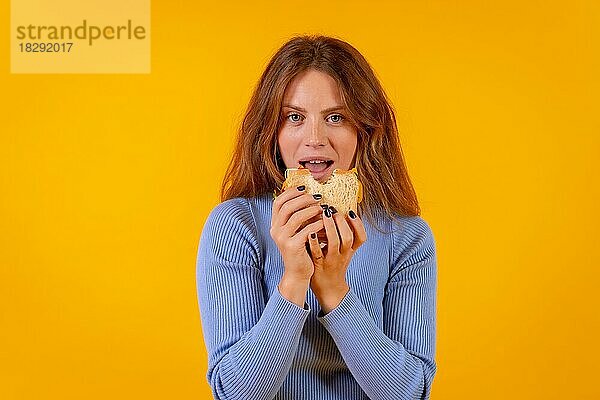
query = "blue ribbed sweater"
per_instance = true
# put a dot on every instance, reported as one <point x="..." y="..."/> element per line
<point x="378" y="343"/>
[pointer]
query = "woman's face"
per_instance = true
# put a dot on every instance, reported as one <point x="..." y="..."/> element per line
<point x="315" y="126"/>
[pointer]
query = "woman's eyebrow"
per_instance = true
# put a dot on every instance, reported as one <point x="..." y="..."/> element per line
<point x="325" y="111"/>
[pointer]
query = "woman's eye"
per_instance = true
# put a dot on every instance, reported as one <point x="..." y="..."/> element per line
<point x="336" y="118"/>
<point x="290" y="117"/>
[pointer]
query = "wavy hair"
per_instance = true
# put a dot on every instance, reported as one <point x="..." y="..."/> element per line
<point x="256" y="167"/>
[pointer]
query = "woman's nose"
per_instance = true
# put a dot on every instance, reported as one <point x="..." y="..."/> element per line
<point x="316" y="136"/>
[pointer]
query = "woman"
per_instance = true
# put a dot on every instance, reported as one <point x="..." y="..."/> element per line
<point x="354" y="320"/>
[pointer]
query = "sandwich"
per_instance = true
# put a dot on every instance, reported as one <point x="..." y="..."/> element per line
<point x="342" y="190"/>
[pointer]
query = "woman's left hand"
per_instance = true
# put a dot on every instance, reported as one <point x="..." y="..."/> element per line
<point x="344" y="236"/>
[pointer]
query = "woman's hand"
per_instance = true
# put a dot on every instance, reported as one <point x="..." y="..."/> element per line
<point x="344" y="236"/>
<point x="292" y="209"/>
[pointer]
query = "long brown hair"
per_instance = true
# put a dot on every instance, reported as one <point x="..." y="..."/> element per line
<point x="256" y="167"/>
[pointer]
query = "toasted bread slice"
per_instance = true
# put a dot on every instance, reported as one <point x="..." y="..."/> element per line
<point x="342" y="190"/>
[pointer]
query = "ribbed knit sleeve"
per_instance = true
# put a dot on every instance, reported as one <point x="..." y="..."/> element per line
<point x="398" y="361"/>
<point x="251" y="340"/>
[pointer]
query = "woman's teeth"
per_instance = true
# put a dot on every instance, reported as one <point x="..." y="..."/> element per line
<point x="315" y="162"/>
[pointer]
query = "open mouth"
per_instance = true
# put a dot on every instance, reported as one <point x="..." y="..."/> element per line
<point x="316" y="166"/>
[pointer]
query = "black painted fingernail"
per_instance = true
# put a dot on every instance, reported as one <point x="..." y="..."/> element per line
<point x="324" y="206"/>
<point x="317" y="196"/>
<point x="332" y="209"/>
<point x="301" y="188"/>
<point x="313" y="235"/>
<point x="352" y="214"/>
<point x="327" y="212"/>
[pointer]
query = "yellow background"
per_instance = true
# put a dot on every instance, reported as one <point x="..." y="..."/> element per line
<point x="106" y="181"/>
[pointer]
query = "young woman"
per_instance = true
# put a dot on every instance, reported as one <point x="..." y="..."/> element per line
<point x="354" y="320"/>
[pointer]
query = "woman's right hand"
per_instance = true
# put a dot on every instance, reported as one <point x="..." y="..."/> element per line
<point x="291" y="210"/>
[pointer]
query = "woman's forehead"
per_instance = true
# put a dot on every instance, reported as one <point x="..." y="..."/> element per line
<point x="312" y="87"/>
